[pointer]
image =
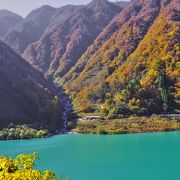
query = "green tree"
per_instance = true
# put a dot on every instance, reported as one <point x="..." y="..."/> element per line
<point x="162" y="79"/>
<point x="164" y="90"/>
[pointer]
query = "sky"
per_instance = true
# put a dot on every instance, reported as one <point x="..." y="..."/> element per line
<point x="23" y="7"/>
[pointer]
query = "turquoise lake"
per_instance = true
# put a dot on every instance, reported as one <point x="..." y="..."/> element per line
<point x="154" y="156"/>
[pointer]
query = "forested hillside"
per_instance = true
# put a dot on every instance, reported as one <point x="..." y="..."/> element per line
<point x="69" y="34"/>
<point x="116" y="59"/>
<point x="26" y="97"/>
<point x="132" y="67"/>
<point x="29" y="29"/>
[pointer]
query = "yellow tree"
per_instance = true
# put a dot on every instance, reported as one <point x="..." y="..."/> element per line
<point x="21" y="168"/>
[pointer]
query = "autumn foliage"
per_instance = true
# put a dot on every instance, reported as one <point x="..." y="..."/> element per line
<point x="135" y="60"/>
<point x="21" y="168"/>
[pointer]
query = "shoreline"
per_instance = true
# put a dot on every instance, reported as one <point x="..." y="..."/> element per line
<point x="145" y="132"/>
<point x="131" y="125"/>
<point x="72" y="133"/>
<point x="69" y="133"/>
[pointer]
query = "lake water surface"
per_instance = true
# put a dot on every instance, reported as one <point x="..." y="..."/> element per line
<point x="154" y="156"/>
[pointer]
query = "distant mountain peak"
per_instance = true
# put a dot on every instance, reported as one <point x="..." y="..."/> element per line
<point x="72" y="30"/>
<point x="8" y="20"/>
<point x="6" y="11"/>
<point x="98" y="3"/>
<point x="30" y="29"/>
<point x="122" y="3"/>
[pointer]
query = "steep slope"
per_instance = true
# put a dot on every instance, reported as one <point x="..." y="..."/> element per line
<point x="132" y="66"/>
<point x="7" y="21"/>
<point x="26" y="97"/>
<point x="68" y="37"/>
<point x="30" y="29"/>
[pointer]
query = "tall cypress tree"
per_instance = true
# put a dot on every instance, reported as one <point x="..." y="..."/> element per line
<point x="164" y="90"/>
<point x="162" y="79"/>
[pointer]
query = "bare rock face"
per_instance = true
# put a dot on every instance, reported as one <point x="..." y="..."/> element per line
<point x="7" y="21"/>
<point x="26" y="97"/>
<point x="70" y="33"/>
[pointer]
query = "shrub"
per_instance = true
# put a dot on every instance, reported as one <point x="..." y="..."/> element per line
<point x="22" y="167"/>
<point x="21" y="132"/>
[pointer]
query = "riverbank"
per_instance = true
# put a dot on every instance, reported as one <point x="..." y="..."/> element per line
<point x="115" y="126"/>
<point x="128" y="125"/>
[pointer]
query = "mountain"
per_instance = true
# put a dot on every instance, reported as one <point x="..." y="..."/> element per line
<point x="26" y="97"/>
<point x="122" y="4"/>
<point x="69" y="35"/>
<point x="132" y="66"/>
<point x="30" y="29"/>
<point x="8" y="20"/>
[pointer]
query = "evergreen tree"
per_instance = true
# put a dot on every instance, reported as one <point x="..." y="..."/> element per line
<point x="164" y="90"/>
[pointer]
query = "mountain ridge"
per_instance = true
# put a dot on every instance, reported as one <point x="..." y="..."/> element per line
<point x="26" y="97"/>
<point x="111" y="58"/>
<point x="8" y="19"/>
<point x="77" y="33"/>
<point x="93" y="77"/>
<point x="30" y="29"/>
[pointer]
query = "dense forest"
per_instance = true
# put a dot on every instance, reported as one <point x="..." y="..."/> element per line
<point x="26" y="97"/>
<point x="133" y="65"/>
<point x="111" y="59"/>
<point x="53" y="39"/>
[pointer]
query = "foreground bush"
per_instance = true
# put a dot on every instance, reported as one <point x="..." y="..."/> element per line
<point x="21" y="168"/>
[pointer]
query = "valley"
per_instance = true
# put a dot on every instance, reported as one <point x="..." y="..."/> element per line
<point x="122" y="66"/>
<point x="90" y="90"/>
